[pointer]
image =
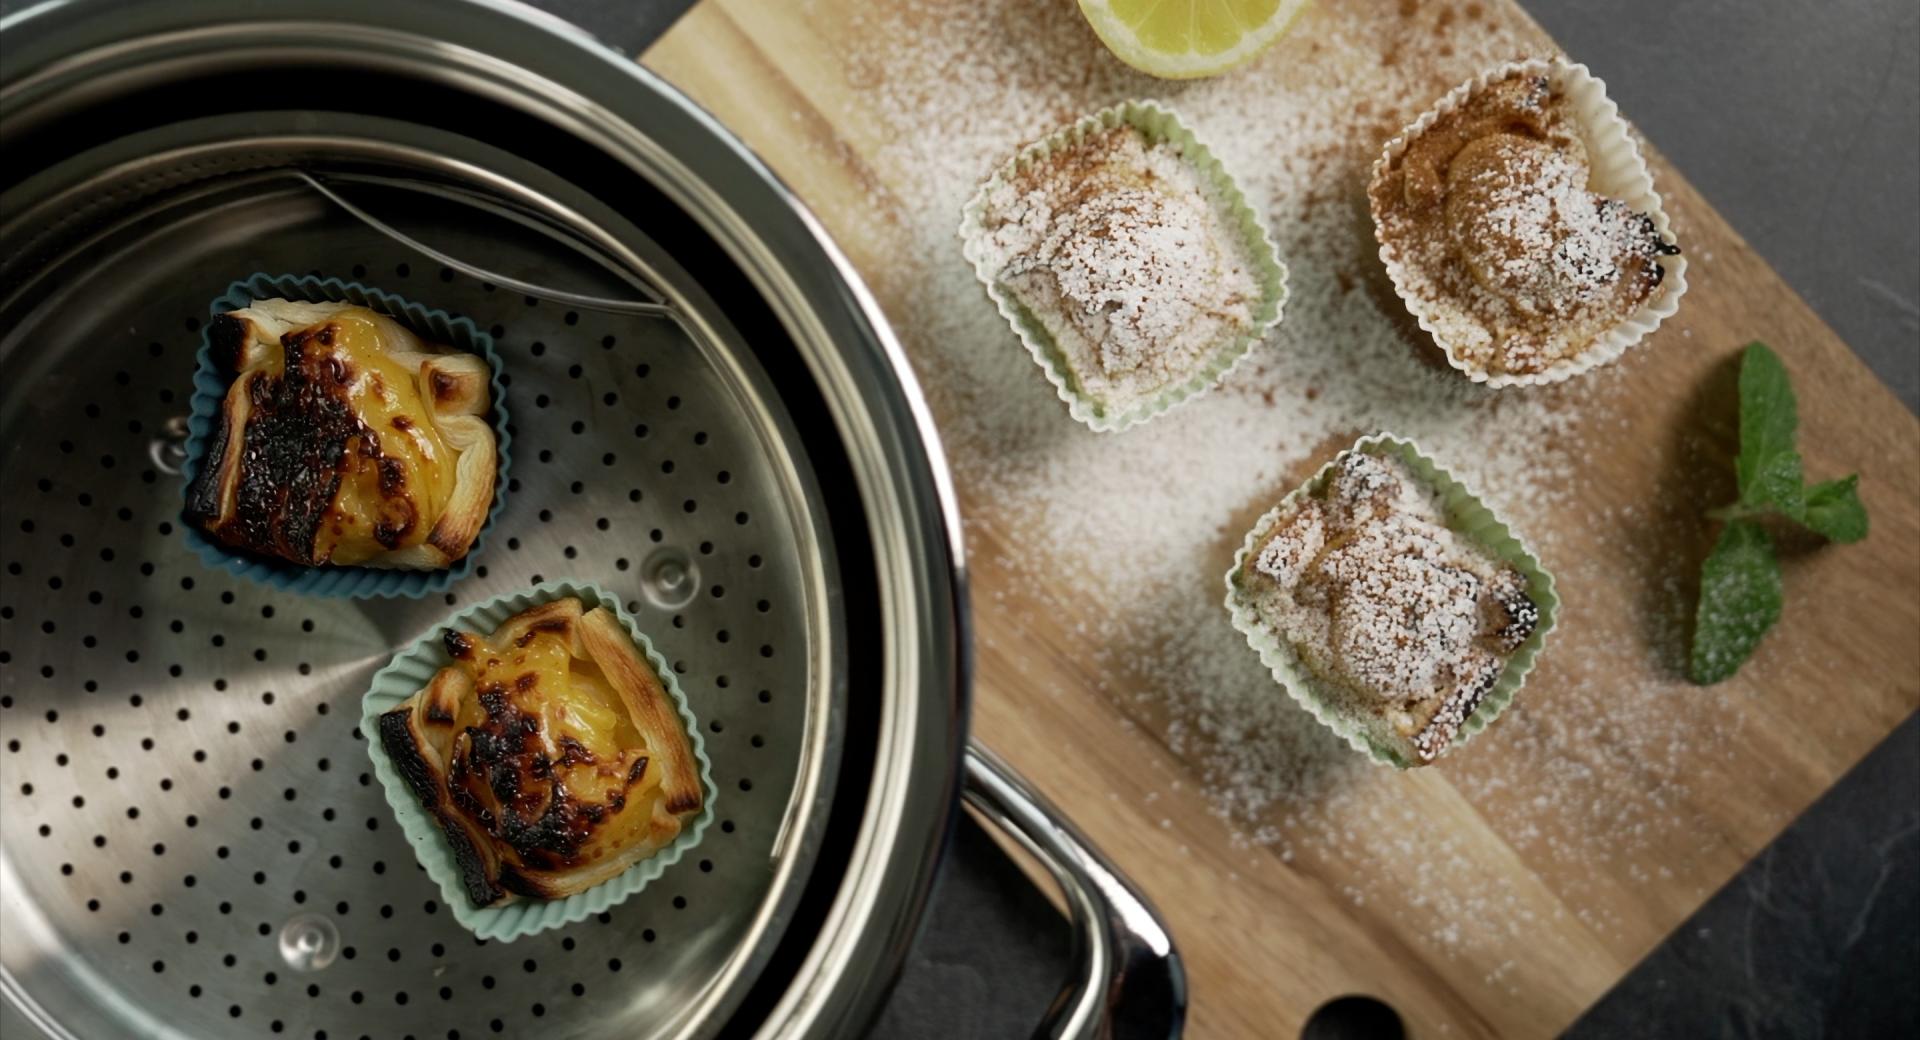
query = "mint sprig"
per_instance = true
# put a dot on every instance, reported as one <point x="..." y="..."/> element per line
<point x="1740" y="591"/>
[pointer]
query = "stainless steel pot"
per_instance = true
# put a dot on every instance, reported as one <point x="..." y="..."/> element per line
<point x="709" y="416"/>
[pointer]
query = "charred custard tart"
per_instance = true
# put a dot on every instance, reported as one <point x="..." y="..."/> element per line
<point x="344" y="440"/>
<point x="549" y="754"/>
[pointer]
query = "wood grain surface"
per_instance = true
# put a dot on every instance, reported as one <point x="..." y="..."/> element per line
<point x="1531" y="919"/>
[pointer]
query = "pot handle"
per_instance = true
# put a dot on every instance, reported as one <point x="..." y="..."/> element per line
<point x="1127" y="982"/>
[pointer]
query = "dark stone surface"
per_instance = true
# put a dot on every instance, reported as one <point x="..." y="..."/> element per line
<point x="991" y="955"/>
<point x="630" y="25"/>
<point x="1819" y="936"/>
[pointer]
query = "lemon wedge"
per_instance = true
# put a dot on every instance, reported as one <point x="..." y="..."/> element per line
<point x="1188" y="39"/>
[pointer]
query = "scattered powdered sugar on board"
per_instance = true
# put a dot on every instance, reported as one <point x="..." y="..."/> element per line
<point x="1129" y="534"/>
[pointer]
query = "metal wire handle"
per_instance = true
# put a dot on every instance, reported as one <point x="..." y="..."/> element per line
<point x="649" y="308"/>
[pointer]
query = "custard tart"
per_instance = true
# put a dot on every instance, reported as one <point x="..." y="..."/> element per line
<point x="548" y="752"/>
<point x="344" y="440"/>
<point x="1519" y="223"/>
<point x="1391" y="603"/>
<point x="1127" y="261"/>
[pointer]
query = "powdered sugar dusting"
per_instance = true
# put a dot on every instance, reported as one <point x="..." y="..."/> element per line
<point x="1518" y="265"/>
<point x="1129" y="534"/>
<point x="1117" y="247"/>
<point x="1405" y="624"/>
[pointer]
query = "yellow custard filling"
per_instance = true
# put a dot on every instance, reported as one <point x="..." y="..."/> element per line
<point x="585" y="742"/>
<point x="386" y="397"/>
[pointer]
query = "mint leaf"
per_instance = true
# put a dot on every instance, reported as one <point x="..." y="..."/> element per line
<point x="1739" y="600"/>
<point x="1779" y="486"/>
<point x="1834" y="510"/>
<point x="1768" y="468"/>
<point x="1740" y="594"/>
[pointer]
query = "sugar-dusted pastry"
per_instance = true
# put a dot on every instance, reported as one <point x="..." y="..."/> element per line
<point x="548" y="752"/>
<point x="344" y="439"/>
<point x="1519" y="223"/>
<point x="1127" y="261"/>
<point x="1394" y="625"/>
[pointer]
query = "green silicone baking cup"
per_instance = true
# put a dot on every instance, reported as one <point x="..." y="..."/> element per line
<point x="1467" y="516"/>
<point x="1160" y="126"/>
<point x="413" y="668"/>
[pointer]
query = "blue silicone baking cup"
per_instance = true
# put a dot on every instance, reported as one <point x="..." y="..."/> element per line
<point x="413" y="668"/>
<point x="210" y="389"/>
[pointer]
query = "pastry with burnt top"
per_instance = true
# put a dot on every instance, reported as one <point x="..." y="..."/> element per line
<point x="344" y="440"/>
<point x="548" y="753"/>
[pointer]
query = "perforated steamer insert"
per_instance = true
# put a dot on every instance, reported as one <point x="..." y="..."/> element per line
<point x="190" y="813"/>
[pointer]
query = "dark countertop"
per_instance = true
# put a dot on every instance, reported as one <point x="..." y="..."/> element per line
<point x="1801" y="123"/>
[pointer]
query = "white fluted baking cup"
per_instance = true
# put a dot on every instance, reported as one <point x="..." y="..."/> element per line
<point x="1160" y="125"/>
<point x="1466" y="516"/>
<point x="1617" y="170"/>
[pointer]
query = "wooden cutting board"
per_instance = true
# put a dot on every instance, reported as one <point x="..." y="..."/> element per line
<point x="1504" y="890"/>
